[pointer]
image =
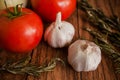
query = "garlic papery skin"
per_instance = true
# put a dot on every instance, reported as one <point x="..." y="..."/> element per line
<point x="84" y="55"/>
<point x="59" y="33"/>
<point x="12" y="3"/>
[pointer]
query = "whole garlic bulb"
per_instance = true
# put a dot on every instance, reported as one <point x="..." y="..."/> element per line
<point x="12" y="3"/>
<point x="84" y="55"/>
<point x="59" y="33"/>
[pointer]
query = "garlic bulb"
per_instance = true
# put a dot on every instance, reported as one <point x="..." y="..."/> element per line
<point x="59" y="33"/>
<point x="84" y="55"/>
<point x="12" y="3"/>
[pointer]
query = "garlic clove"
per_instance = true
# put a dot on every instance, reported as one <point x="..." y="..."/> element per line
<point x="59" y="33"/>
<point x="84" y="55"/>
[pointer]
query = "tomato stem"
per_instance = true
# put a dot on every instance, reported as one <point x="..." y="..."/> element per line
<point x="17" y="11"/>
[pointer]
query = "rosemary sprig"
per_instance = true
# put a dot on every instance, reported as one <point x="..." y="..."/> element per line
<point x="99" y="19"/>
<point x="107" y="32"/>
<point x="23" y="67"/>
<point x="110" y="26"/>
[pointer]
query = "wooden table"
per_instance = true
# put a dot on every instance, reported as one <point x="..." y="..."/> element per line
<point x="43" y="52"/>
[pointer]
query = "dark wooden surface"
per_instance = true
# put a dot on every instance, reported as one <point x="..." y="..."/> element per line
<point x="43" y="52"/>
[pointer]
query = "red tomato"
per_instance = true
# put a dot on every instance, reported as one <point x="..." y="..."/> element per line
<point x="48" y="9"/>
<point x="22" y="33"/>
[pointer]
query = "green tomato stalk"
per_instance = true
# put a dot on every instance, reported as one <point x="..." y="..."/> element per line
<point x="17" y="11"/>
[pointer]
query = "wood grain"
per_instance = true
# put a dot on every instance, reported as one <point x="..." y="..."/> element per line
<point x="43" y="52"/>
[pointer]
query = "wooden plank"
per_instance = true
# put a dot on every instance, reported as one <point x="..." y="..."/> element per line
<point x="44" y="53"/>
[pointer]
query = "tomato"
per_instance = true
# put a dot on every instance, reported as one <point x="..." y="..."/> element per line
<point x="20" y="34"/>
<point x="48" y="9"/>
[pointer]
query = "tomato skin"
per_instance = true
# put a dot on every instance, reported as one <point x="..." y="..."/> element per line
<point x="48" y="9"/>
<point x="20" y="34"/>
